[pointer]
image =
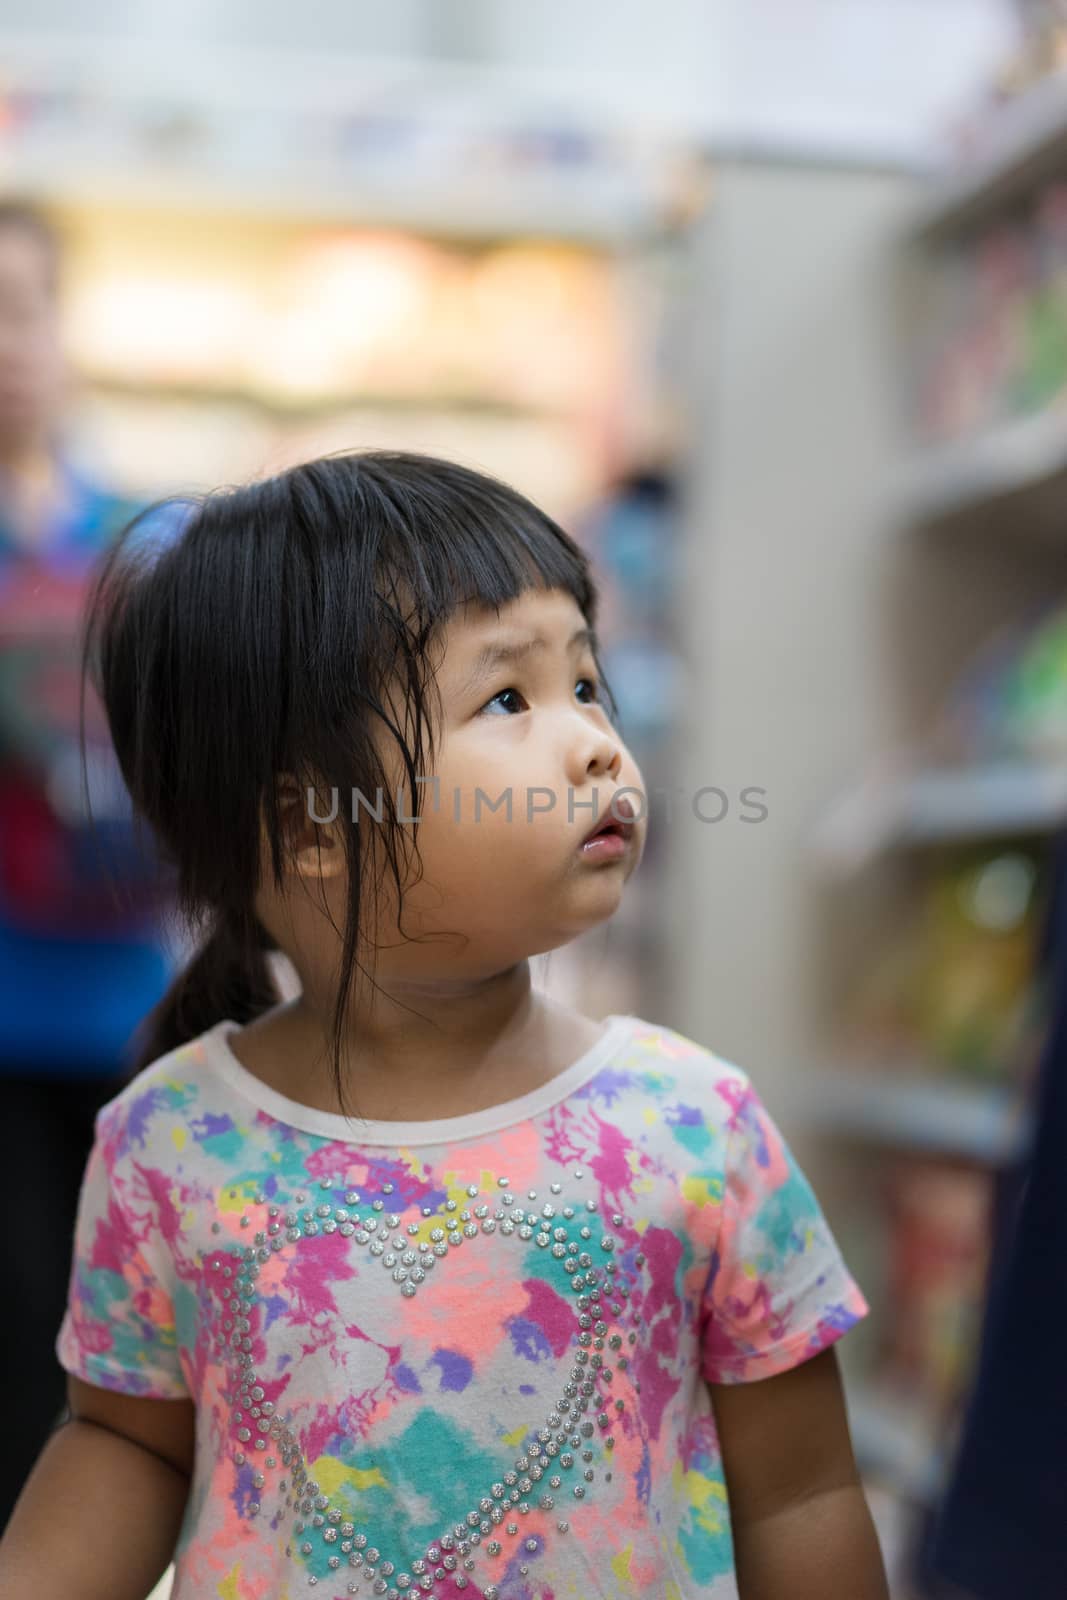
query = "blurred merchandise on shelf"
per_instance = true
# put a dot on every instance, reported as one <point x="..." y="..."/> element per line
<point x="990" y="763"/>
<point x="1044" y="45"/>
<point x="1039" y="57"/>
<point x="925" y="1271"/>
<point x="946" y="846"/>
<point x="332" y="128"/>
<point x="940" y="1230"/>
<point x="209" y="350"/>
<point x="993" y="322"/>
<point x="978" y="949"/>
<point x="305" y="317"/>
<point x="1010" y="700"/>
<point x="877" y="1020"/>
<point x="953" y="991"/>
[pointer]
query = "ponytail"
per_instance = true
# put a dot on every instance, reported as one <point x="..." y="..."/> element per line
<point x="229" y="976"/>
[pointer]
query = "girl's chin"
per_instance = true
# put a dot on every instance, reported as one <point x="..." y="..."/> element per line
<point x="598" y="904"/>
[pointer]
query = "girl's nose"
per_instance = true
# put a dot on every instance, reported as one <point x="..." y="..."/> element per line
<point x="595" y="754"/>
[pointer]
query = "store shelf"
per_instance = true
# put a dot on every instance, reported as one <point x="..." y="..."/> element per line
<point x="1020" y="465"/>
<point x="1026" y="144"/>
<point x="594" y="209"/>
<point x="454" y="149"/>
<point x="951" y="806"/>
<point x="469" y="403"/>
<point x="919" y="1111"/>
<point x="893" y="1443"/>
<point x="984" y="802"/>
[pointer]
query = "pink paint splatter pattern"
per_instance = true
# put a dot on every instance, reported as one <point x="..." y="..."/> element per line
<point x="458" y="1359"/>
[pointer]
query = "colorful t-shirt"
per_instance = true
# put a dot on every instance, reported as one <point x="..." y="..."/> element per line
<point x="456" y="1358"/>
<point x="73" y="988"/>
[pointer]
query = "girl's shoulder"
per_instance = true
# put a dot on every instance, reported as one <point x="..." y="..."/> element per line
<point x="657" y="1042"/>
<point x="162" y="1099"/>
<point x="660" y="1064"/>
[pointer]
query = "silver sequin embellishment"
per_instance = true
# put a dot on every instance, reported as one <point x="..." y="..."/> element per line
<point x="597" y="1292"/>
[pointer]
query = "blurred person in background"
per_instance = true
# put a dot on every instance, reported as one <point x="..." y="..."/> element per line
<point x="76" y="973"/>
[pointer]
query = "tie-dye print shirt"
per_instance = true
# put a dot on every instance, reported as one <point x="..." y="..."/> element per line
<point x="456" y="1358"/>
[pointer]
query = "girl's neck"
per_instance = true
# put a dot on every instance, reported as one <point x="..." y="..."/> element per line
<point x="427" y="1051"/>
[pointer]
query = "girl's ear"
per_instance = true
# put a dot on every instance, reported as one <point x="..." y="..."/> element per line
<point x="310" y="823"/>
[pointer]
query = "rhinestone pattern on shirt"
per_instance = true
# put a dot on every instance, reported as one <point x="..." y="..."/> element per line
<point x="557" y="1458"/>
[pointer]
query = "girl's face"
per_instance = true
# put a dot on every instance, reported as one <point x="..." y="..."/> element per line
<point x="521" y="721"/>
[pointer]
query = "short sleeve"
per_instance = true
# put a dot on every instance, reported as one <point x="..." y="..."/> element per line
<point x="118" y="1331"/>
<point x="778" y="1290"/>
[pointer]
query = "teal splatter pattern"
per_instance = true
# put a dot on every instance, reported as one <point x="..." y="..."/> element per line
<point x="465" y="1358"/>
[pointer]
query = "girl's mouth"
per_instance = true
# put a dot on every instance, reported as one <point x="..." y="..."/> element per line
<point x="610" y="837"/>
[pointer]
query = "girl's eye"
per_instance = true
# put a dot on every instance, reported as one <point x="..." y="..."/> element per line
<point x="511" y="710"/>
<point x="501" y="696"/>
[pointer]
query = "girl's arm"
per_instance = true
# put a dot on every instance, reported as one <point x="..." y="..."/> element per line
<point x="99" y="1515"/>
<point x="801" y="1526"/>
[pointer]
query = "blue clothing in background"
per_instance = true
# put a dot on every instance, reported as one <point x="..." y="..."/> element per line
<point x="69" y="1006"/>
<point x="1002" y="1531"/>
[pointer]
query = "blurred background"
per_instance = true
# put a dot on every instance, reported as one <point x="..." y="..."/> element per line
<point x="766" y="300"/>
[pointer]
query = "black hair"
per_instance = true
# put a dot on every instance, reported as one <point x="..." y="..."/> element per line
<point x="262" y="636"/>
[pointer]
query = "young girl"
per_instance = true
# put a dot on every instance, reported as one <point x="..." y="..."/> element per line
<point x="419" y="1283"/>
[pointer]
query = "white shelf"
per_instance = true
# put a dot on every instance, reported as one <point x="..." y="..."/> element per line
<point x="1021" y="460"/>
<point x="919" y="1111"/>
<point x="982" y="802"/>
<point x="1024" y="145"/>
<point x="594" y="210"/>
<point x="950" y="806"/>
